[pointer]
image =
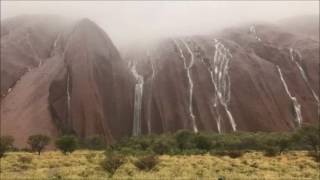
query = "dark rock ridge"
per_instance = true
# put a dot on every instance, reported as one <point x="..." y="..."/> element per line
<point x="60" y="77"/>
<point x="63" y="77"/>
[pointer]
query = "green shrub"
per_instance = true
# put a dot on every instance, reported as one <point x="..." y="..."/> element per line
<point x="284" y="141"/>
<point x="6" y="143"/>
<point x="147" y="162"/>
<point x="162" y="146"/>
<point x="202" y="142"/>
<point x="184" y="139"/>
<point x="310" y="136"/>
<point x="38" y="142"/>
<point x="67" y="143"/>
<point x="112" y="162"/>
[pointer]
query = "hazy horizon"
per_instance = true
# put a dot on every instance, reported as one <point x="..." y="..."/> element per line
<point x="130" y="21"/>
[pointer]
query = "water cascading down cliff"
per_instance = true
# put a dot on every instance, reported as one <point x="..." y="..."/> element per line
<point x="138" y="93"/>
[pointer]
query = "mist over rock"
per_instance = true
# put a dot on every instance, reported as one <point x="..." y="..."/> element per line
<point x="60" y="77"/>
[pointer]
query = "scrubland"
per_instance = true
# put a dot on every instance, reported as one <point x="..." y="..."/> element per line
<point x="85" y="164"/>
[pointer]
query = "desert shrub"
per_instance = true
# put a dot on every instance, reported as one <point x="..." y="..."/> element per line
<point x="6" y="143"/>
<point x="273" y="144"/>
<point x="310" y="136"/>
<point x="202" y="142"/>
<point x="184" y="139"/>
<point x="162" y="146"/>
<point x="67" y="143"/>
<point x="229" y="141"/>
<point x="249" y="141"/>
<point x="38" y="142"/>
<point x="147" y="162"/>
<point x="112" y="162"/>
<point x="284" y="141"/>
<point x="95" y="142"/>
<point x="145" y="142"/>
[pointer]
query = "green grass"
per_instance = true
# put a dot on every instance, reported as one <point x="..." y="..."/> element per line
<point x="86" y="165"/>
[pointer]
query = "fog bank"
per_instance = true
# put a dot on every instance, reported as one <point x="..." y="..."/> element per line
<point x="131" y="21"/>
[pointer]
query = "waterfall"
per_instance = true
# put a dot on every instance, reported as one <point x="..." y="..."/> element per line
<point x="219" y="72"/>
<point x="215" y="102"/>
<point x="302" y="72"/>
<point x="40" y="63"/>
<point x="68" y="97"/>
<point x="295" y="103"/>
<point x="150" y="98"/>
<point x="55" y="48"/>
<point x="190" y="82"/>
<point x="137" y="101"/>
<point x="252" y="30"/>
<point x="187" y="68"/>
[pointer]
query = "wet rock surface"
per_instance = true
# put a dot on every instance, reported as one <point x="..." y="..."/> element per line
<point x="68" y="77"/>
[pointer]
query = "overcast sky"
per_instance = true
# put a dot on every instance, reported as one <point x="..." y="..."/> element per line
<point x="133" y="20"/>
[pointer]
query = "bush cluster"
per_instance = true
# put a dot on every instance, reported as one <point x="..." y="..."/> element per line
<point x="147" y="162"/>
<point x="112" y="162"/>
<point x="185" y="142"/>
<point x="231" y="144"/>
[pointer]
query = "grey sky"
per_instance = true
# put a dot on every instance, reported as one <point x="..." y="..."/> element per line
<point x="133" y="20"/>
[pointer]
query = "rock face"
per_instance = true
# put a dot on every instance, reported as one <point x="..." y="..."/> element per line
<point x="61" y="77"/>
<point x="250" y="78"/>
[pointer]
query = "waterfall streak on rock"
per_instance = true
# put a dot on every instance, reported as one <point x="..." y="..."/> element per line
<point x="187" y="68"/>
<point x="295" y="103"/>
<point x="219" y="72"/>
<point x="68" y="98"/>
<point x="252" y="30"/>
<point x="302" y="72"/>
<point x="137" y="101"/>
<point x="150" y="99"/>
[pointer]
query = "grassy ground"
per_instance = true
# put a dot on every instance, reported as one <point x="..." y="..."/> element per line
<point x="85" y="165"/>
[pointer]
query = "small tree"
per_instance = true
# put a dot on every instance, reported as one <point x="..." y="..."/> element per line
<point x="6" y="142"/>
<point x="38" y="142"/>
<point x="284" y="142"/>
<point x="67" y="143"/>
<point x="309" y="135"/>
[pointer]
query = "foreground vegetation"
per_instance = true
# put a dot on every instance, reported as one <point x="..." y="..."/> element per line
<point x="184" y="154"/>
<point x="84" y="164"/>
